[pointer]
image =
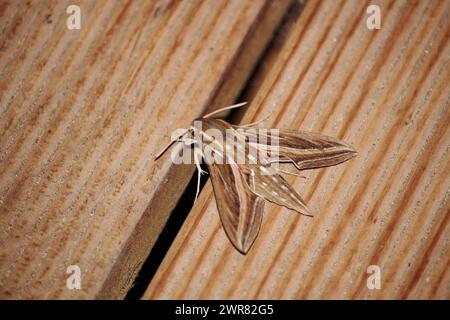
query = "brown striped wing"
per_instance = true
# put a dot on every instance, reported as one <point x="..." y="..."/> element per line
<point x="276" y="189"/>
<point x="308" y="150"/>
<point x="240" y="209"/>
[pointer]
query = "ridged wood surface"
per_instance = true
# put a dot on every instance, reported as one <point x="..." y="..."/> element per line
<point x="387" y="93"/>
<point x="82" y="115"/>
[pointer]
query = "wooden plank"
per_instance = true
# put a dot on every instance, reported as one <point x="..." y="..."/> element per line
<point x="386" y="92"/>
<point x="82" y="115"/>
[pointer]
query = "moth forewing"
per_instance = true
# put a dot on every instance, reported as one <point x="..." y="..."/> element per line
<point x="306" y="150"/>
<point x="240" y="210"/>
<point x="262" y="146"/>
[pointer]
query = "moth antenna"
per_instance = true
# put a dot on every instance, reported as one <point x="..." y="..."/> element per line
<point x="225" y="108"/>
<point x="160" y="153"/>
<point x="255" y="122"/>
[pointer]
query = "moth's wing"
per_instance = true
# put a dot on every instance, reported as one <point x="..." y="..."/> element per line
<point x="240" y="209"/>
<point x="308" y="150"/>
<point x="276" y="189"/>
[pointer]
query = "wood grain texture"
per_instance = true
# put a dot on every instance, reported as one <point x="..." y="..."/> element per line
<point x="82" y="114"/>
<point x="387" y="93"/>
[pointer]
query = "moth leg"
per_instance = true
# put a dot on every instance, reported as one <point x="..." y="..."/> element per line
<point x="295" y="164"/>
<point x="197" y="153"/>
<point x="197" y="156"/>
<point x="292" y="173"/>
<point x="253" y="181"/>
<point x="289" y="161"/>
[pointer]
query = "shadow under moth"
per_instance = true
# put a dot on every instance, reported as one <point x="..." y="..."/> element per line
<point x="245" y="166"/>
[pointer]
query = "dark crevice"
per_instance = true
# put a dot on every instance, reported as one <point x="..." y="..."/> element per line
<point x="166" y="238"/>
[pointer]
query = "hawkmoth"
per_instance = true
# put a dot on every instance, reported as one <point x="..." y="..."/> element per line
<point x="245" y="168"/>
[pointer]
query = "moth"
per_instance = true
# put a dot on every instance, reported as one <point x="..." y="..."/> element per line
<point x="245" y="168"/>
